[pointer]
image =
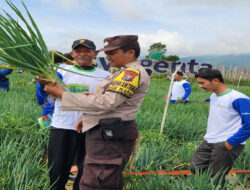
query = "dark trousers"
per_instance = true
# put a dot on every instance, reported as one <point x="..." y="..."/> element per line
<point x="63" y="146"/>
<point x="79" y="158"/>
<point x="106" y="159"/>
<point x="216" y="158"/>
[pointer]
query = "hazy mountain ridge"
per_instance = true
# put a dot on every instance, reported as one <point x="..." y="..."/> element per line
<point x="241" y="60"/>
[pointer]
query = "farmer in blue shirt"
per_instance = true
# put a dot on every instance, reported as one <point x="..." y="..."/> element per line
<point x="4" y="81"/>
<point x="42" y="96"/>
<point x="228" y="126"/>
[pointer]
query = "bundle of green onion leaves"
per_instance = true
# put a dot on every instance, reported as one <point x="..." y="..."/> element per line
<point x="23" y="47"/>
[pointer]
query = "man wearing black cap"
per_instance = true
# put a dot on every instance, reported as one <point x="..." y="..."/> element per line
<point x="109" y="114"/>
<point x="64" y="141"/>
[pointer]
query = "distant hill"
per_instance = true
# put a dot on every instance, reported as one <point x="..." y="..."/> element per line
<point x="241" y="60"/>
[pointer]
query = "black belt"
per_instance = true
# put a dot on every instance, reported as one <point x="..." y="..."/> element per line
<point x="128" y="122"/>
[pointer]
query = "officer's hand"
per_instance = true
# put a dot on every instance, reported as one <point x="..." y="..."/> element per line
<point x="228" y="146"/>
<point x="41" y="79"/>
<point x="55" y="90"/>
<point x="88" y="93"/>
<point x="79" y="126"/>
<point x="180" y="100"/>
<point x="45" y="117"/>
<point x="204" y="101"/>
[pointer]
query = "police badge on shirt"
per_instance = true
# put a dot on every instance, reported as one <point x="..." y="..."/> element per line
<point x="126" y="82"/>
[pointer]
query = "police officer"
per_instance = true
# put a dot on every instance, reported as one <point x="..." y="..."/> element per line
<point x="109" y="114"/>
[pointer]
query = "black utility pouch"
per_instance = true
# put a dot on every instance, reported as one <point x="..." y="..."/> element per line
<point x="112" y="128"/>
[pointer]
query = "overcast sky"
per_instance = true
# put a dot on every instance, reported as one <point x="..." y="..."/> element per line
<point x="187" y="27"/>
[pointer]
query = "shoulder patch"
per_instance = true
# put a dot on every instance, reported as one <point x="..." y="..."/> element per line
<point x="126" y="82"/>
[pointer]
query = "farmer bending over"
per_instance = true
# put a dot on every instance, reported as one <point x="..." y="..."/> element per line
<point x="181" y="89"/>
<point x="4" y="81"/>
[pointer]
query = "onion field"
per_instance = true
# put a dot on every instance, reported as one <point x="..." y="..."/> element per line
<point x="23" y="143"/>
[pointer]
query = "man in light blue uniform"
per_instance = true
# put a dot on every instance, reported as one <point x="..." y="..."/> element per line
<point x="228" y="126"/>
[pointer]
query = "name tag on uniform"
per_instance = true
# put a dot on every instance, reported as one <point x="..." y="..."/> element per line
<point x="78" y="88"/>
